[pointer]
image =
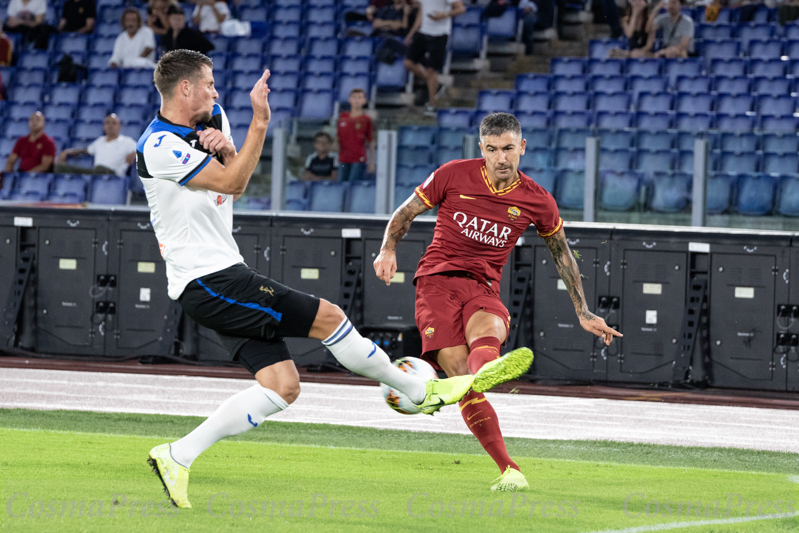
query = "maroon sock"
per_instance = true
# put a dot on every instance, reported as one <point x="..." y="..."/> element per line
<point x="482" y="351"/>
<point x="482" y="421"/>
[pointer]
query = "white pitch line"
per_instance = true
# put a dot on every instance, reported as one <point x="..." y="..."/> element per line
<point x="682" y="525"/>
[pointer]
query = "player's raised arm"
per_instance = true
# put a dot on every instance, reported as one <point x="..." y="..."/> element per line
<point x="570" y="274"/>
<point x="235" y="175"/>
<point x="386" y="262"/>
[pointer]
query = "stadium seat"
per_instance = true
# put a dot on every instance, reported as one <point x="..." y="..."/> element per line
<point x="729" y="68"/>
<point x="765" y="49"/>
<point x="445" y="154"/>
<point x="414" y="155"/>
<point x="655" y="84"/>
<point x="714" y="31"/>
<point x="99" y="96"/>
<point x="693" y="84"/>
<point x="734" y="104"/>
<point x="319" y="15"/>
<point x="532" y="102"/>
<point x="467" y="39"/>
<point x="791" y="30"/>
<point x="615" y="138"/>
<point x="693" y="121"/>
<point x="748" y="32"/>
<point x="537" y="138"/>
<point x="286" y="14"/>
<point x="572" y="137"/>
<point x="239" y="134"/>
<point x="779" y="124"/>
<point x="532" y="119"/>
<point x="103" y="78"/>
<point x="788" y="196"/>
<point x="327" y="196"/>
<point x="569" y="66"/>
<point x="16" y="128"/>
<point x="569" y="83"/>
<point x="289" y="30"/>
<point x="570" y="189"/>
<point x="414" y="174"/>
<point x="30" y="76"/>
<point x="618" y="191"/>
<point x="318" y="81"/>
<point x="253" y="14"/>
<point x="98" y="61"/>
<point x="401" y="193"/>
<point x="34" y="182"/>
<point x="670" y="192"/>
<point x="682" y="67"/>
<point x="616" y="159"/>
<point x="25" y="95"/>
<point x="655" y="140"/>
<point x="278" y="63"/>
<point x="599" y="48"/>
<point x="254" y="63"/>
<point x="613" y="120"/>
<point x="455" y="117"/>
<point x="776" y="106"/>
<point x="26" y="197"/>
<point x="24" y="111"/>
<point x="31" y="60"/>
<point x="316" y="105"/>
<point x="780" y="143"/>
<point x="739" y="162"/>
<point x="278" y="99"/>
<point x="323" y="47"/>
<point x="739" y="123"/>
<point x="653" y="121"/>
<point x="296" y="204"/>
<point x="684" y="161"/>
<point x="607" y="84"/>
<point x="537" y="158"/>
<point x="755" y="194"/>
<point x="720" y="192"/>
<point x="69" y="184"/>
<point x="654" y="102"/>
<point x="685" y="140"/>
<point x="614" y="102"/>
<point x="712" y="49"/>
<point x="108" y="190"/>
<point x="576" y="101"/>
<point x="495" y="100"/>
<point x="65" y="93"/>
<point x="361" y="197"/>
<point x="737" y="142"/>
<point x="783" y="164"/>
<point x="693" y="103"/>
<point x="392" y="77"/>
<point x="645" y="68"/>
<point x="774" y="68"/>
<point x="9" y="178"/>
<point x="444" y="135"/>
<point x="570" y="158"/>
<point x="532" y="83"/>
<point x="355" y="65"/>
<point x="545" y="177"/>
<point x="654" y="160"/>
<point x="771" y="86"/>
<point x="296" y="190"/>
<point x="51" y="111"/>
<point x="605" y="67"/>
<point x="419" y="136"/>
<point x="357" y="47"/>
<point x="503" y="26"/>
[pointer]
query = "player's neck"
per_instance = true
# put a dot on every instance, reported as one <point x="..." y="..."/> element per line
<point x="502" y="184"/>
<point x="178" y="117"/>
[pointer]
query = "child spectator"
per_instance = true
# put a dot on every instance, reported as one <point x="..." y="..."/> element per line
<point x="354" y="136"/>
<point x="321" y="165"/>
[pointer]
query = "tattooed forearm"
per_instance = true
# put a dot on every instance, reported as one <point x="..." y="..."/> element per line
<point x="401" y="220"/>
<point x="569" y="272"/>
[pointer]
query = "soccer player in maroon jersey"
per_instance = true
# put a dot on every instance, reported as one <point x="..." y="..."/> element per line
<point x="484" y="207"/>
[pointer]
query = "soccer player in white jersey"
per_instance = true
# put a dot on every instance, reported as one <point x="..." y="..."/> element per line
<point x="192" y="173"/>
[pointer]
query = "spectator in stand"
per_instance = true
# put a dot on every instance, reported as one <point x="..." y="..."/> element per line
<point x="35" y="151"/>
<point x="529" y="14"/>
<point x="27" y="18"/>
<point x="636" y="25"/>
<point x="392" y="20"/>
<point x="157" y="16"/>
<point x="321" y="165"/>
<point x="371" y="9"/>
<point x="113" y="153"/>
<point x="678" y="30"/>
<point x="78" y="16"/>
<point x="180" y="36"/>
<point x="135" y="46"/>
<point x="354" y="133"/>
<point x="428" y="42"/>
<point x="209" y="15"/>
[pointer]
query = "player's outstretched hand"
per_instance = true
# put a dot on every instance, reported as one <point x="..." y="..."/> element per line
<point x="386" y="265"/>
<point x="260" y="98"/>
<point x="215" y="142"/>
<point x="596" y="325"/>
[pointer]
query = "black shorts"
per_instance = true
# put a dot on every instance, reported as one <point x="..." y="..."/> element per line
<point x="251" y="314"/>
<point x="432" y="46"/>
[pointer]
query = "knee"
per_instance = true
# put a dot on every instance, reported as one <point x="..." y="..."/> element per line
<point x="289" y="391"/>
<point x="331" y="313"/>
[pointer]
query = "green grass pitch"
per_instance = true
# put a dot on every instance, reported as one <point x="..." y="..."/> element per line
<point x="76" y="471"/>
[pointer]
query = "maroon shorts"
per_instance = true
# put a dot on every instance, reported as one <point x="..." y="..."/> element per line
<point x="444" y="305"/>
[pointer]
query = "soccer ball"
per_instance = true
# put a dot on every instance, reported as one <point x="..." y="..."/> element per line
<point x="394" y="398"/>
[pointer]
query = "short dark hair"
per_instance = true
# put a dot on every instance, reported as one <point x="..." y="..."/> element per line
<point x="125" y="14"/>
<point x="357" y="90"/>
<point x="176" y="66"/>
<point x="323" y="134"/>
<point x="496" y="124"/>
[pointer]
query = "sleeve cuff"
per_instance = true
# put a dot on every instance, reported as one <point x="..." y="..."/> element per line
<point x="423" y="198"/>
<point x="554" y="231"/>
<point x="196" y="171"/>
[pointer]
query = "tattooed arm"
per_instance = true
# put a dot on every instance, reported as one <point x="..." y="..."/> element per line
<point x="386" y="263"/>
<point x="570" y="274"/>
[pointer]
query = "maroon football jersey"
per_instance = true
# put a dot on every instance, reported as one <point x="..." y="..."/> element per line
<point x="478" y="226"/>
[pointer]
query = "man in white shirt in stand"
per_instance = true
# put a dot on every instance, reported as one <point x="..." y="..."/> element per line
<point x="113" y="153"/>
<point x="135" y="46"/>
<point x="427" y="40"/>
<point x="209" y="15"/>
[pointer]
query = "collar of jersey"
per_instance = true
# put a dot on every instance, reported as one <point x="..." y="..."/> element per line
<point x="178" y="128"/>
<point x="493" y="189"/>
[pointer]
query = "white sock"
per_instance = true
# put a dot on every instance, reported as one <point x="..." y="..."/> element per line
<point x="366" y="358"/>
<point x="242" y="411"/>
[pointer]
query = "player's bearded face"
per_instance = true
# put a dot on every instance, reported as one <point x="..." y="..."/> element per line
<point x="502" y="154"/>
<point x="204" y="96"/>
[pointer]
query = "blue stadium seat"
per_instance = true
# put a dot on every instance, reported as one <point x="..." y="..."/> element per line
<point x="537" y="158"/>
<point x="239" y="134"/>
<point x="108" y="190"/>
<point x="503" y="26"/>
<point x="253" y="14"/>
<point x="685" y="140"/>
<point x="6" y="145"/>
<point x="23" y="111"/>
<point x="749" y="32"/>
<point x="570" y="66"/>
<point x="776" y="106"/>
<point x="318" y="81"/>
<point x="34" y="60"/>
<point x="24" y="95"/>
<point x="444" y="135"/>
<point x="281" y="118"/>
<point x="788" y="196"/>
<point x="613" y="120"/>
<point x="414" y="174"/>
<point x="134" y="113"/>
<point x="16" y="128"/>
<point x="670" y="192"/>
<point x="281" y="99"/>
<point x="791" y="50"/>
<point x="765" y="49"/>
<point x="70" y="43"/>
<point x="537" y="138"/>
<point x="246" y="80"/>
<point x="472" y="15"/>
<point x="684" y="161"/>
<point x="780" y="143"/>
<point x="26" y="77"/>
<point x="34" y="182"/>
<point x="532" y="119"/>
<point x="771" y="86"/>
<point x="655" y="140"/>
<point x="495" y="100"/>
<point x="296" y="190"/>
<point x="693" y="121"/>
<point x="402" y="192"/>
<point x="605" y="67"/>
<point x="682" y="67"/>
<point x="569" y="83"/>
<point x="693" y="84"/>
<point x="286" y="14"/>
<point x="570" y="158"/>
<point x="607" y="84"/>
<point x="98" y="61"/>
<point x="419" y="136"/>
<point x="9" y="178"/>
<point x="653" y="120"/>
<point x="712" y="49"/>
<point x="654" y="102"/>
<point x="239" y="98"/>
<point x="756" y="194"/>
<point x="296" y="204"/>
<point x="654" y="160"/>
<point x="289" y="30"/>
<point x="26" y="197"/>
<point x="252" y="64"/>
<point x="414" y="155"/>
<point x="327" y="196"/>
<point x="280" y="47"/>
<point x="740" y="123"/>
<point x="693" y="103"/>
<point x="281" y="63"/>
<point x="532" y="83"/>
<point x="791" y="30"/>
<point x="781" y="163"/>
<point x="467" y="39"/>
<point x="737" y="142"/>
<point x="785" y="123"/>
<point x="103" y="78"/>
<point x="319" y="15"/>
<point x="576" y="101"/>
<point x="570" y="189"/>
<point x="133" y="129"/>
<point x="735" y="86"/>
<point x="51" y="111"/>
<point x="252" y="46"/>
<point x="445" y="154"/>
<point x="618" y="102"/>
<point x="357" y="47"/>
<point x="355" y="65"/>
<point x="600" y="48"/>
<point x="348" y="82"/>
<point x="738" y="162"/>
<point x="99" y="95"/>
<point x="618" y="191"/>
<point x="616" y="138"/>
<point x="532" y="102"/>
<point x="734" y="104"/>
<point x="323" y="47"/>
<point x="133" y="95"/>
<point x="65" y="93"/>
<point x="106" y="30"/>
<point x="393" y="77"/>
<point x="69" y="184"/>
<point x="455" y="117"/>
<point x="645" y="68"/>
<point x="714" y="31"/>
<point x="774" y="68"/>
<point x="239" y="116"/>
<point x="572" y="137"/>
<point x="320" y="65"/>
<point x="571" y="119"/>
<point x="545" y="177"/>
<point x="728" y="68"/>
<point x="616" y="159"/>
<point x="654" y="84"/>
<point x="361" y="197"/>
